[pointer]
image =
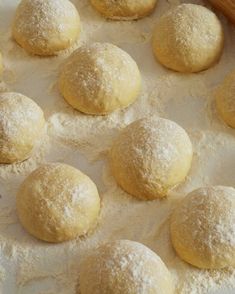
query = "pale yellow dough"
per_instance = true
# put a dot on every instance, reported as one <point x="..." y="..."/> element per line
<point x="45" y="27"/>
<point x="150" y="157"/>
<point x="188" y="38"/>
<point x="100" y="78"/>
<point x="57" y="202"/>
<point x="225" y="100"/>
<point x="203" y="228"/>
<point x="124" y="267"/>
<point x="21" y="126"/>
<point x="124" y="9"/>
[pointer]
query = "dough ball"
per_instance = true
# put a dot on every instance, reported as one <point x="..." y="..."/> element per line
<point x="203" y="228"/>
<point x="99" y="79"/>
<point x="189" y="38"/>
<point x="124" y="9"/>
<point x="151" y="156"/>
<point x="21" y="126"/>
<point x="44" y="27"/>
<point x="225" y="100"/>
<point x="57" y="202"/>
<point x="124" y="267"/>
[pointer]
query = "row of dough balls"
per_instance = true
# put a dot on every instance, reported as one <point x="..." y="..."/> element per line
<point x="100" y="78"/>
<point x="202" y="233"/>
<point x="45" y="27"/>
<point x="188" y="38"/>
<point x="159" y="150"/>
<point x="58" y="202"/>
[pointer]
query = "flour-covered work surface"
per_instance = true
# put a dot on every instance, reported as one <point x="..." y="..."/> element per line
<point x="95" y="146"/>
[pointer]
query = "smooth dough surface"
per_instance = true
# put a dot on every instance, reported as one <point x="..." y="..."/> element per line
<point x="21" y="126"/>
<point x="203" y="228"/>
<point x="188" y="38"/>
<point x="225" y="100"/>
<point x="124" y="267"/>
<point x="99" y="79"/>
<point x="151" y="156"/>
<point x="45" y="27"/>
<point x="124" y="9"/>
<point x="57" y="202"/>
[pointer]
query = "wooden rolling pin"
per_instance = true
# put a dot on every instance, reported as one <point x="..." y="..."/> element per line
<point x="226" y="6"/>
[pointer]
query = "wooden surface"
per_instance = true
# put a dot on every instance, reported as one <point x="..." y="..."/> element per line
<point x="226" y="6"/>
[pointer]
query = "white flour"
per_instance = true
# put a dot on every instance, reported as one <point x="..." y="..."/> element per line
<point x="31" y="266"/>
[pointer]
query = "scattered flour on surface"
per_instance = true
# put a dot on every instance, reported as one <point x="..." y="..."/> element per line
<point x="27" y="263"/>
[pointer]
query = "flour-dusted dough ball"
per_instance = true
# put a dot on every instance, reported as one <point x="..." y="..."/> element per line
<point x="189" y="38"/>
<point x="203" y="228"/>
<point x="225" y="100"/>
<point x="99" y="79"/>
<point x="44" y="27"/>
<point x="151" y="156"/>
<point x="124" y="267"/>
<point x="57" y="202"/>
<point x="124" y="9"/>
<point x="21" y="126"/>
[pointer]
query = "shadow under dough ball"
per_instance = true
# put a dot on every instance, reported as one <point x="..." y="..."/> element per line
<point x="1" y="65"/>
<point x="225" y="100"/>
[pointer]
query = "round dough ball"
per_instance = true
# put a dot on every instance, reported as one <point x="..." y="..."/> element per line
<point x="189" y="38"/>
<point x="124" y="267"/>
<point x="225" y="100"/>
<point x="44" y="27"/>
<point x="151" y="156"/>
<point x="124" y="9"/>
<point x="57" y="202"/>
<point x="99" y="79"/>
<point x="21" y="126"/>
<point x="203" y="228"/>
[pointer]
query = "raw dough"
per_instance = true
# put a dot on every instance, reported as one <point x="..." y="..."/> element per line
<point x="189" y="38"/>
<point x="203" y="228"/>
<point x="124" y="9"/>
<point x="151" y="156"/>
<point x="124" y="267"/>
<point x="21" y="126"/>
<point x="44" y="27"/>
<point x="225" y="100"/>
<point x="99" y="79"/>
<point x="57" y="202"/>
